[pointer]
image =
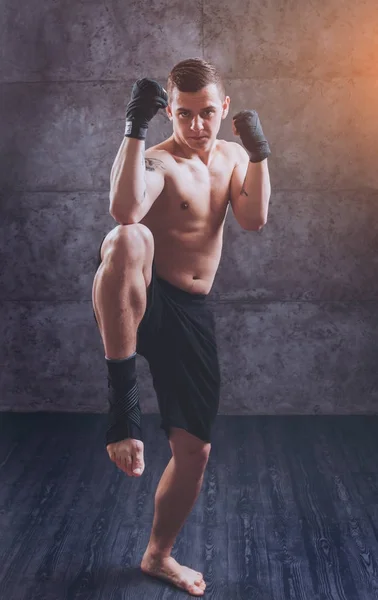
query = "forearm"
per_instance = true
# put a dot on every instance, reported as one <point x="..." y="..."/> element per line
<point x="127" y="180"/>
<point x="253" y="202"/>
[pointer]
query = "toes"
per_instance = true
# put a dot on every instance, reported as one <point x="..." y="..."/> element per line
<point x="196" y="591"/>
<point x="200" y="585"/>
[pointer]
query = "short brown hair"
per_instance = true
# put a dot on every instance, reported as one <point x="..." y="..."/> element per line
<point x="192" y="74"/>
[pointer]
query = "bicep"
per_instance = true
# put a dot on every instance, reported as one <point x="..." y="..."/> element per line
<point x="155" y="170"/>
<point x="238" y="174"/>
<point x="155" y="177"/>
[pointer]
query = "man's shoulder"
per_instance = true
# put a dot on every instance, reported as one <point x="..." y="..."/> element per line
<point x="157" y="151"/>
<point x="232" y="147"/>
<point x="160" y="156"/>
<point x="233" y="151"/>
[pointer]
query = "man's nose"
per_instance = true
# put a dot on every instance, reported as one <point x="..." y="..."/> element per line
<point x="197" y="124"/>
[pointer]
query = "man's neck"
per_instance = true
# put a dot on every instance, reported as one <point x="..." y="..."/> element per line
<point x="191" y="154"/>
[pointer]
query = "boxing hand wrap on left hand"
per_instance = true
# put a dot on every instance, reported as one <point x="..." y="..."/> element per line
<point x="248" y="126"/>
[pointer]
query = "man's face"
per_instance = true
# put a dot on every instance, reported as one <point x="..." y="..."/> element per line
<point x="196" y="116"/>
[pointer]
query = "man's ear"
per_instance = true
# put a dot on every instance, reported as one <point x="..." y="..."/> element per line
<point x="226" y="107"/>
<point x="169" y="112"/>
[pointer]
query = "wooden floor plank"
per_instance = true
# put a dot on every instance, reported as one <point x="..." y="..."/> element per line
<point x="288" y="510"/>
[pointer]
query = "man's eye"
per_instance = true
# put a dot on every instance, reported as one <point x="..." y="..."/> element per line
<point x="183" y="114"/>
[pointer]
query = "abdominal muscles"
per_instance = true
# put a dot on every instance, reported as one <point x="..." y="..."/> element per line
<point x="188" y="259"/>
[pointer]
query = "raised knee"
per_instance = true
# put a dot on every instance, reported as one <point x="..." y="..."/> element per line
<point x="133" y="236"/>
<point x="130" y="243"/>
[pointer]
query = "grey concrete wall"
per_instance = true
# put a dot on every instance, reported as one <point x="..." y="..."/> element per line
<point x="296" y="304"/>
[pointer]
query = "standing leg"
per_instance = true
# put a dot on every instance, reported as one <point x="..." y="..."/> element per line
<point x="176" y="495"/>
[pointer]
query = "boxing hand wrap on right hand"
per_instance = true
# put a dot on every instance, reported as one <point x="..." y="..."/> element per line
<point x="147" y="96"/>
<point x="248" y="126"/>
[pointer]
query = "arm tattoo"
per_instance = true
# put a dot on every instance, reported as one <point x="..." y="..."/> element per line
<point x="152" y="163"/>
<point x="144" y="191"/>
<point x="243" y="191"/>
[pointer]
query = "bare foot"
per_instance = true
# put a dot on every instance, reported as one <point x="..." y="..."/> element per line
<point x="169" y="570"/>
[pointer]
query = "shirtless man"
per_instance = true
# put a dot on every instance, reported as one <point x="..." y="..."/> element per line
<point x="157" y="268"/>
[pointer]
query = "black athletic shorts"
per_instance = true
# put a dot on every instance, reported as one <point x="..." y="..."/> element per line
<point x="177" y="338"/>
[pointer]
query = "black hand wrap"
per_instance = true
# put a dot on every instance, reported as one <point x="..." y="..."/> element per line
<point x="147" y="96"/>
<point x="124" y="419"/>
<point x="248" y="126"/>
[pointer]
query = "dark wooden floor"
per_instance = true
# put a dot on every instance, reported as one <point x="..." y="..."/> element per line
<point x="288" y="510"/>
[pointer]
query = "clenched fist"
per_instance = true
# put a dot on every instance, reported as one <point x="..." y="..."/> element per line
<point x="147" y="96"/>
<point x="247" y="125"/>
<point x="128" y="455"/>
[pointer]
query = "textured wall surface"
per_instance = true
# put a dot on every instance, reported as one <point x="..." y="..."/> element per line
<point x="296" y="304"/>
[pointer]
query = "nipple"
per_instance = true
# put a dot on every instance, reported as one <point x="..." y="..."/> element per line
<point x="184" y="205"/>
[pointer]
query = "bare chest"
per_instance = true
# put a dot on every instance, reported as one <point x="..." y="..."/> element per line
<point x="194" y="199"/>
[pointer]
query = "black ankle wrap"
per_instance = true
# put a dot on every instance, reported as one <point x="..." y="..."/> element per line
<point x="123" y="395"/>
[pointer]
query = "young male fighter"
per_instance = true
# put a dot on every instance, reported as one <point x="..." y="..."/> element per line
<point x="156" y="270"/>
